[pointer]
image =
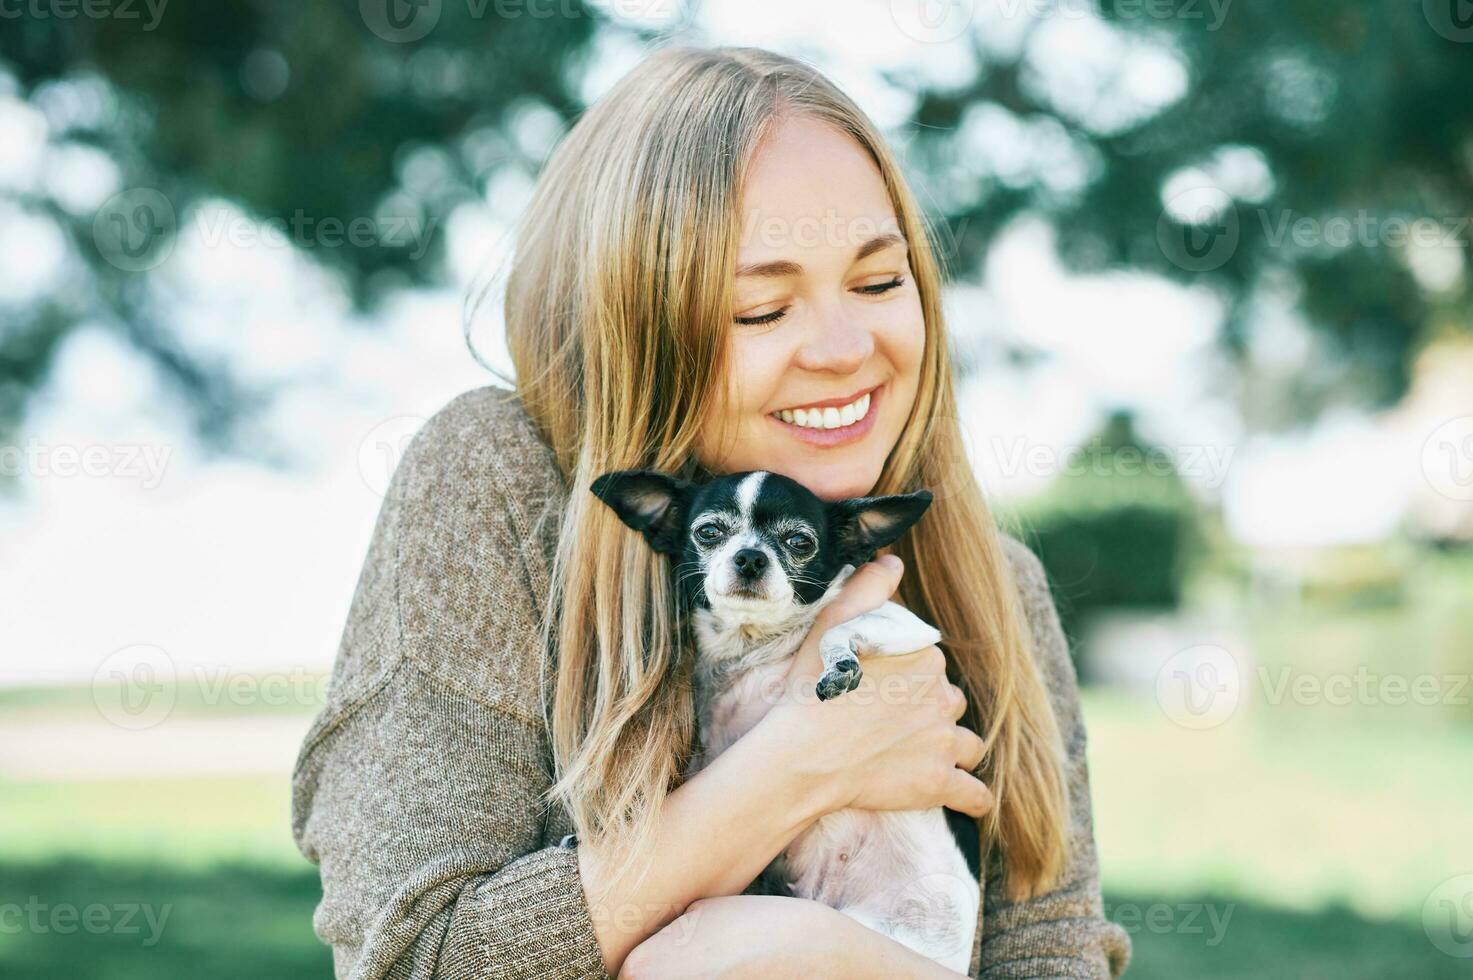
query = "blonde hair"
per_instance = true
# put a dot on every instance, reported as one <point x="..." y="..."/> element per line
<point x="617" y="309"/>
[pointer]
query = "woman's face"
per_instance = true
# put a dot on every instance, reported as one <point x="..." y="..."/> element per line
<point x="826" y="343"/>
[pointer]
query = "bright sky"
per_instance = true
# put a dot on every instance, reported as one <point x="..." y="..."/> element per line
<point x="224" y="563"/>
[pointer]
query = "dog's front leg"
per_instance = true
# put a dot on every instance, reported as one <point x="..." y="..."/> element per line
<point x="888" y="631"/>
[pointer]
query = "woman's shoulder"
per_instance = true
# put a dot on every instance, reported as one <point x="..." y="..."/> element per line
<point x="1049" y="644"/>
<point x="484" y="436"/>
<point x="1026" y="568"/>
<point x="458" y="568"/>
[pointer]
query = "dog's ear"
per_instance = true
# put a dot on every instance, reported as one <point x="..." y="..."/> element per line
<point x="861" y="525"/>
<point x="651" y="502"/>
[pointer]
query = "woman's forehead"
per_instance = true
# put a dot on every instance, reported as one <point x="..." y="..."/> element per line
<point x="811" y="186"/>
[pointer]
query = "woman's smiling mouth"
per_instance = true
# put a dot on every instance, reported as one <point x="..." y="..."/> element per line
<point x="831" y="424"/>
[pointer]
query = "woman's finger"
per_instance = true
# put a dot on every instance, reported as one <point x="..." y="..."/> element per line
<point x="969" y="749"/>
<point x="958" y="701"/>
<point x="969" y="794"/>
<point x="869" y="588"/>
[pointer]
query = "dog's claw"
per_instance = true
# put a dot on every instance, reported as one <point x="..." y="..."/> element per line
<point x="842" y="677"/>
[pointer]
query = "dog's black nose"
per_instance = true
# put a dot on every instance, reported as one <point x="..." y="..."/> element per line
<point x="751" y="562"/>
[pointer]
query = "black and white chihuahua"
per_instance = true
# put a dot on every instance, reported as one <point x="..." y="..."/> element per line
<point x="756" y="555"/>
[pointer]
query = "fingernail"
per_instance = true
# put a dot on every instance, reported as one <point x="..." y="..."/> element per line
<point x="891" y="562"/>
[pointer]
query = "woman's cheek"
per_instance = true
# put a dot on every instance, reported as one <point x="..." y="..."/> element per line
<point x="757" y="372"/>
<point x="730" y="431"/>
<point x="912" y="336"/>
<point x="907" y="355"/>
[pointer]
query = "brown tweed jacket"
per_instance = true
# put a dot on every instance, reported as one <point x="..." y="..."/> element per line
<point x="417" y="788"/>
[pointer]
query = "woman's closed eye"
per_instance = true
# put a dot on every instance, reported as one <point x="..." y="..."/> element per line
<point x="875" y="289"/>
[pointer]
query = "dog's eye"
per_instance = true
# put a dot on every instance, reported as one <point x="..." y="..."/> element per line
<point x="708" y="532"/>
<point x="800" y="543"/>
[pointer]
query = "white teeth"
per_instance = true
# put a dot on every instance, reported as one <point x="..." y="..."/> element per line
<point x="827" y="418"/>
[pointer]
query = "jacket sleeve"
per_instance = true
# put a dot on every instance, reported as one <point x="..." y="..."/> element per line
<point x="418" y="789"/>
<point x="1063" y="933"/>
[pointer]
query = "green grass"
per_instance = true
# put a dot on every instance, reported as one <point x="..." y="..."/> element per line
<point x="1315" y="841"/>
<point x="187" y="823"/>
<point x="212" y="860"/>
<point x="1285" y="812"/>
<point x="151" y="921"/>
<point x="243" y="921"/>
<point x="1264" y="941"/>
<point x="196" y="694"/>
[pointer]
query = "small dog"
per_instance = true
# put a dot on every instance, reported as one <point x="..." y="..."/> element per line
<point x="756" y="556"/>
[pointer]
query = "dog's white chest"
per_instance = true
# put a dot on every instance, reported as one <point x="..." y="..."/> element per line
<point x="737" y="710"/>
<point x="899" y="872"/>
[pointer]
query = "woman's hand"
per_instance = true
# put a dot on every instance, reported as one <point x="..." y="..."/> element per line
<point x="770" y="937"/>
<point x="892" y="743"/>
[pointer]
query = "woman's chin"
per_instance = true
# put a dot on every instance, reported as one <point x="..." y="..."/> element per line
<point x="835" y="482"/>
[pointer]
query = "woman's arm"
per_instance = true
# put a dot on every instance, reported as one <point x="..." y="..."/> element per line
<point x="1063" y="933"/>
<point x="419" y="789"/>
<point x="721" y="828"/>
<point x="420" y="804"/>
<point x="718" y="831"/>
<point x="774" y="937"/>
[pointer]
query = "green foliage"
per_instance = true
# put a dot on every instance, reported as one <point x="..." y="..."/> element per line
<point x="1170" y="939"/>
<point x="228" y="922"/>
<point x="298" y="109"/>
<point x="298" y="112"/>
<point x="1347" y="108"/>
<point x="1130" y="556"/>
<point x="1115" y="528"/>
<point x="241" y="921"/>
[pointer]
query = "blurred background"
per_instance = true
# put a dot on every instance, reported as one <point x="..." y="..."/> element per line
<point x="1210" y="291"/>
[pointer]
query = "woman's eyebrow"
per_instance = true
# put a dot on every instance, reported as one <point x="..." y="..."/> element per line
<point x="785" y="267"/>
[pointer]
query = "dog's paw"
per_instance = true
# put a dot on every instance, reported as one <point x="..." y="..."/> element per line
<point x="842" y="677"/>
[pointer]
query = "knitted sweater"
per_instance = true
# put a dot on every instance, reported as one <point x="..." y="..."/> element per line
<point x="417" y="787"/>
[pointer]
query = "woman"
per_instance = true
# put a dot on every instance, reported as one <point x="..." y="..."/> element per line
<point x="495" y="786"/>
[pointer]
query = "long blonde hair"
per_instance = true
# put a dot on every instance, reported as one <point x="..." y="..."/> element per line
<point x="617" y="308"/>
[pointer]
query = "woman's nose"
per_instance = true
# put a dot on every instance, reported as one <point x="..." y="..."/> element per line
<point x="839" y="343"/>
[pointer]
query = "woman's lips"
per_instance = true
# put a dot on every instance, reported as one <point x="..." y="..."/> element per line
<point x="842" y="436"/>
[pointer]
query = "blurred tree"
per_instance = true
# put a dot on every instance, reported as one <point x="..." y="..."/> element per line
<point x="1259" y="148"/>
<point x="315" y="114"/>
<point x="1285" y="146"/>
<point x="1116" y="528"/>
